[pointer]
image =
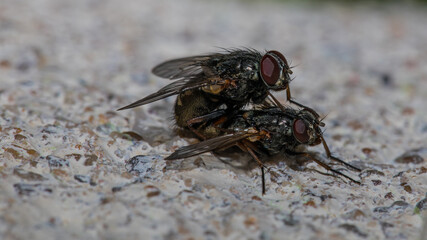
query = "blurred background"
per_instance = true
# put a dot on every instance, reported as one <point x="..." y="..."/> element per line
<point x="66" y="66"/>
<point x="104" y="43"/>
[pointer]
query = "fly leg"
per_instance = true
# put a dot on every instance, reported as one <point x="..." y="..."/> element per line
<point x="329" y="155"/>
<point x="247" y="148"/>
<point x="289" y="99"/>
<point x="326" y="166"/>
<point x="204" y="118"/>
<point x="277" y="101"/>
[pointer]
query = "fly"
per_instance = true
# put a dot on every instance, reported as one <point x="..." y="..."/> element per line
<point x="228" y="80"/>
<point x="268" y="131"/>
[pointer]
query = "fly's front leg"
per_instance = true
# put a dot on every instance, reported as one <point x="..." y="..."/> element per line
<point x="326" y="166"/>
<point x="329" y="155"/>
<point x="289" y="99"/>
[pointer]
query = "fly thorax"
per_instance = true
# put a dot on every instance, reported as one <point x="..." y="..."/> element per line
<point x="285" y="127"/>
<point x="249" y="71"/>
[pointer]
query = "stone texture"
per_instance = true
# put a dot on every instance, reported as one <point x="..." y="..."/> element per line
<point x="71" y="167"/>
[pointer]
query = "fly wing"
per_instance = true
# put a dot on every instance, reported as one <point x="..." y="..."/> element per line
<point x="212" y="144"/>
<point x="205" y="64"/>
<point x="193" y="72"/>
<point x="174" y="88"/>
<point x="188" y="73"/>
<point x="182" y="67"/>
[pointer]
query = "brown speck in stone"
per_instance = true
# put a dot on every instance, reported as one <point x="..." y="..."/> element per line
<point x="76" y="156"/>
<point x="32" y="152"/>
<point x="90" y="159"/>
<point x="133" y="135"/>
<point x="415" y="159"/>
<point x="355" y="124"/>
<point x="376" y="182"/>
<point x="421" y="170"/>
<point x="337" y="137"/>
<point x="368" y="150"/>
<point x="406" y="187"/>
<point x="188" y="182"/>
<point x="52" y="221"/>
<point x="412" y="156"/>
<point x="389" y="195"/>
<point x="20" y="137"/>
<point x="182" y="229"/>
<point x="369" y="91"/>
<point x="369" y="172"/>
<point x="408" y="111"/>
<point x="355" y="214"/>
<point x="102" y="119"/>
<point x="33" y="163"/>
<point x="88" y="109"/>
<point x="59" y="172"/>
<point x="256" y="198"/>
<point x="126" y="175"/>
<point x="106" y="200"/>
<point x="150" y="187"/>
<point x="5" y="64"/>
<point x="251" y="221"/>
<point x="234" y="191"/>
<point x="153" y="194"/>
<point x="30" y="176"/>
<point x="411" y="63"/>
<point x="15" y="154"/>
<point x="310" y="203"/>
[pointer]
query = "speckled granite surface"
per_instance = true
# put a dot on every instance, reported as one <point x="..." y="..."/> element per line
<point x="71" y="167"/>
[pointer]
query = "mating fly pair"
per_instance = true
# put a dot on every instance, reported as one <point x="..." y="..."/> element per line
<point x="212" y="92"/>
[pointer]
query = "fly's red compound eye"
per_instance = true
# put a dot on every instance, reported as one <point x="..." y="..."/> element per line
<point x="270" y="69"/>
<point x="280" y="56"/>
<point x="300" y="131"/>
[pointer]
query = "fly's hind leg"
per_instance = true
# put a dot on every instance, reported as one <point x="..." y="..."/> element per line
<point x="192" y="107"/>
<point x="205" y="118"/>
